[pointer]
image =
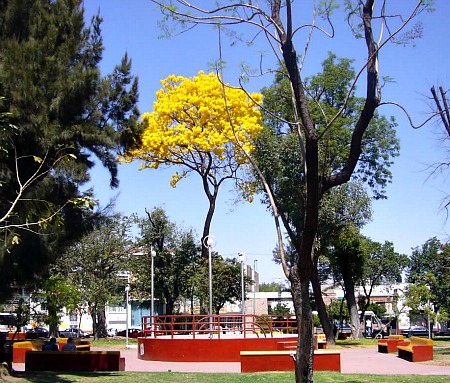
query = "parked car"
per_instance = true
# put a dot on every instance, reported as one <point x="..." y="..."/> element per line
<point x="38" y="332"/>
<point x="73" y="333"/>
<point x="133" y="332"/>
<point x="417" y="331"/>
<point x="112" y="332"/>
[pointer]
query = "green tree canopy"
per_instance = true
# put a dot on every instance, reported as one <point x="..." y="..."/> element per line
<point x="270" y="287"/>
<point x="429" y="277"/>
<point x="63" y="109"/>
<point x="382" y="266"/>
<point x="280" y="155"/>
<point x="177" y="255"/>
<point x="96" y="264"/>
<point x="226" y="281"/>
<point x="57" y="293"/>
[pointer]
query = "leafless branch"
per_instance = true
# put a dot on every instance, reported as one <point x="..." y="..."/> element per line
<point x="444" y="111"/>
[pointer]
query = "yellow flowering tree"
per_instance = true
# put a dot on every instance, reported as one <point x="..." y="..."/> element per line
<point x="203" y="126"/>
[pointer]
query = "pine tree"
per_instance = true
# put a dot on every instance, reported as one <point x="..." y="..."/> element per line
<point x="66" y="115"/>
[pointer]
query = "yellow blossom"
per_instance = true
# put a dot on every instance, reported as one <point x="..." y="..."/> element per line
<point x="199" y="122"/>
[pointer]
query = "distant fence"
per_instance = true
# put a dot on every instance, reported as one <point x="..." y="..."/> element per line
<point x="227" y="324"/>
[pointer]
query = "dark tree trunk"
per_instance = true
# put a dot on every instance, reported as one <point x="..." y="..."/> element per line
<point x="101" y="323"/>
<point x="351" y="303"/>
<point x="321" y="308"/>
<point x="305" y="345"/>
<point x="53" y="327"/>
<point x="170" y="305"/>
<point x="212" y="197"/>
<point x="93" y="310"/>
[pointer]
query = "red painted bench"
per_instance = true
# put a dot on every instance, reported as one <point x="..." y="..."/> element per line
<point x="20" y="348"/>
<point x="418" y="350"/>
<point x="17" y="335"/>
<point x="282" y="360"/>
<point x="320" y="342"/>
<point x="74" y="361"/>
<point x="390" y="344"/>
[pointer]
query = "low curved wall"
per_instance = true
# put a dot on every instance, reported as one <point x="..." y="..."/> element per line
<point x="203" y="350"/>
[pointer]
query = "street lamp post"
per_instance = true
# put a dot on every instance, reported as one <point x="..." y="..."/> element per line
<point x="254" y="286"/>
<point x="127" y="291"/>
<point x="209" y="242"/>
<point x="242" y="261"/>
<point x="279" y="294"/>
<point x="152" y="306"/>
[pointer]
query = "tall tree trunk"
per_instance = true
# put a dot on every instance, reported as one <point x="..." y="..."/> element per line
<point x="53" y="326"/>
<point x="355" y="325"/>
<point x="170" y="305"/>
<point x="212" y="197"/>
<point x="93" y="311"/>
<point x="320" y="306"/>
<point x="101" y="323"/>
<point x="305" y="345"/>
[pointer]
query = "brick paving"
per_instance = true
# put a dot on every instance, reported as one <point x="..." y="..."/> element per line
<point x="361" y="360"/>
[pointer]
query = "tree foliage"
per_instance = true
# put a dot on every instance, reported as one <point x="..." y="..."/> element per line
<point x="281" y="159"/>
<point x="176" y="259"/>
<point x="180" y="272"/>
<point x="358" y="261"/>
<point x="382" y="266"/>
<point x="226" y="282"/>
<point x="269" y="287"/>
<point x="64" y="115"/>
<point x="429" y="277"/>
<point x="202" y="126"/>
<point x="94" y="265"/>
<point x="57" y="293"/>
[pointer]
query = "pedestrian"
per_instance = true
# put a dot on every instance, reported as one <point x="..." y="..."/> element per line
<point x="369" y="327"/>
<point x="50" y="345"/>
<point x="70" y="345"/>
<point x="335" y="330"/>
<point x="394" y="326"/>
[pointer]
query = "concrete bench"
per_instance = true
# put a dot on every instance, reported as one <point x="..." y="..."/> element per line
<point x="74" y="361"/>
<point x="320" y="342"/>
<point x="390" y="343"/>
<point x="17" y="335"/>
<point x="417" y="350"/>
<point x="81" y="345"/>
<point x="283" y="360"/>
<point x="20" y="348"/>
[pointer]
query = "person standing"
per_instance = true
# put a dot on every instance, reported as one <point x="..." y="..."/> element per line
<point x="369" y="327"/>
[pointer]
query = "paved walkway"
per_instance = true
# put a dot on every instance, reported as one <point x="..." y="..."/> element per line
<point x="362" y="360"/>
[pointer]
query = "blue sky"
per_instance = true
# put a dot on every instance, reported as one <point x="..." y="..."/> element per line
<point x="411" y="214"/>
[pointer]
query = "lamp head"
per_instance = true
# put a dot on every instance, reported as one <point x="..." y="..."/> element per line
<point x="209" y="241"/>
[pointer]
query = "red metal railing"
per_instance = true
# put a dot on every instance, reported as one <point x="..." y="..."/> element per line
<point x="217" y="325"/>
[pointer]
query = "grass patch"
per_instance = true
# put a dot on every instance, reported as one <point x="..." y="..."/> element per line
<point x="117" y="343"/>
<point x="441" y="341"/>
<point x="168" y="377"/>
<point x="441" y="356"/>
